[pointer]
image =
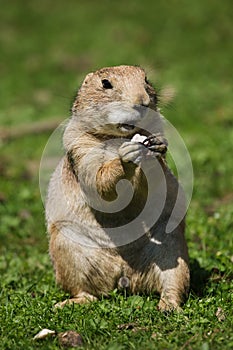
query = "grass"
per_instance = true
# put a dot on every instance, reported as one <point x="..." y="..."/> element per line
<point x="46" y="49"/>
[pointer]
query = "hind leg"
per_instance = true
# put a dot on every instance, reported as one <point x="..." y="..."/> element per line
<point x="175" y="286"/>
<point x="70" y="267"/>
<point x="86" y="273"/>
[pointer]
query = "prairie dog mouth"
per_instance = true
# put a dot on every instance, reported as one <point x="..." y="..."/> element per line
<point x="126" y="127"/>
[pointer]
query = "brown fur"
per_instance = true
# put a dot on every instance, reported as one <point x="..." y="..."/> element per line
<point x="155" y="262"/>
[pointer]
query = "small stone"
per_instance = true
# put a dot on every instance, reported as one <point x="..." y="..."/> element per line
<point x="70" y="339"/>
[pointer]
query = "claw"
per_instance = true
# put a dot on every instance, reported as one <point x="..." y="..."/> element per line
<point x="155" y="139"/>
<point x="156" y="143"/>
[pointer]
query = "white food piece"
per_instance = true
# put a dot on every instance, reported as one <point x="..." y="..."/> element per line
<point x="43" y="334"/>
<point x="138" y="138"/>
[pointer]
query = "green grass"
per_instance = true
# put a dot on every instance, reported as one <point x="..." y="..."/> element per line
<point x="46" y="48"/>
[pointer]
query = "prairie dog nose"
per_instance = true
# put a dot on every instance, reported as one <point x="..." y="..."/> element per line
<point x="143" y="100"/>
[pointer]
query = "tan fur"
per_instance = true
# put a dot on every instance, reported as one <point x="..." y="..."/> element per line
<point x="155" y="262"/>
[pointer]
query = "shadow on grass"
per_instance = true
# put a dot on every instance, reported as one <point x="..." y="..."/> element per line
<point x="199" y="278"/>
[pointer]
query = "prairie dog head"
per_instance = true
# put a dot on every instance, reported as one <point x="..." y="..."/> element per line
<point x="125" y="84"/>
<point x="117" y="93"/>
<point x="115" y="97"/>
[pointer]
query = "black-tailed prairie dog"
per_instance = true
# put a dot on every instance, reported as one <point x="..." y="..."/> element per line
<point x="112" y="195"/>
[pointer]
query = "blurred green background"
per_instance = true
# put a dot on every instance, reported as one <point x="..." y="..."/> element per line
<point x="46" y="49"/>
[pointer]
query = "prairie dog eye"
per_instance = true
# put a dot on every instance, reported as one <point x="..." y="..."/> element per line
<point x="106" y="84"/>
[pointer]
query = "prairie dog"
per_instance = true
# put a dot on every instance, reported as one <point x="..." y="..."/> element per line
<point x="98" y="237"/>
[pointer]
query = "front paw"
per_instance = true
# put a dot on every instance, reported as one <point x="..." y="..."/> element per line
<point x="132" y="152"/>
<point x="157" y="144"/>
<point x="167" y="306"/>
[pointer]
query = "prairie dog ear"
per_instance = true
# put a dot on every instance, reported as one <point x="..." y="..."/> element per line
<point x="87" y="78"/>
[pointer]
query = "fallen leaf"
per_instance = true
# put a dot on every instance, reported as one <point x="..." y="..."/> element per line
<point x="126" y="326"/>
<point x="44" y="333"/>
<point x="220" y="314"/>
<point x="131" y="326"/>
<point x="154" y="335"/>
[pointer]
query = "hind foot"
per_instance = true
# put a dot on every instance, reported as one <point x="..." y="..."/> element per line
<point x="81" y="298"/>
<point x="168" y="306"/>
